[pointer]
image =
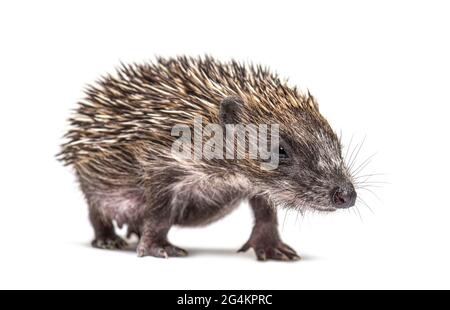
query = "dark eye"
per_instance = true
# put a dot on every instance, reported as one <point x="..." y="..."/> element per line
<point x="282" y="153"/>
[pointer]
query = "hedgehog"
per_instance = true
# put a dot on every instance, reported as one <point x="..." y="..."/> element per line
<point x="120" y="140"/>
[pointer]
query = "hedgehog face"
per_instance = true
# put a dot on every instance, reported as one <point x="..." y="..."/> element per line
<point x="311" y="172"/>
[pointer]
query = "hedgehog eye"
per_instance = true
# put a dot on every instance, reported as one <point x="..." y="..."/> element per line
<point x="282" y="153"/>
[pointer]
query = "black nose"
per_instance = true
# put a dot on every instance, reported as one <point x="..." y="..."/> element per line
<point x="343" y="197"/>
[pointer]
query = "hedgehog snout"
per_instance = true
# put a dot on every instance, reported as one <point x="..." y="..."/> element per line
<point x="343" y="197"/>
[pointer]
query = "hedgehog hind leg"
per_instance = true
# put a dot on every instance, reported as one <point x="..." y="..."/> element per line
<point x="105" y="235"/>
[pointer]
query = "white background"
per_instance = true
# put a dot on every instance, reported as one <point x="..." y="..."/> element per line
<point x="379" y="69"/>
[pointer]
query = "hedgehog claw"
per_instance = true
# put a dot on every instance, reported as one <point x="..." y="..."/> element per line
<point x="276" y="253"/>
<point x="160" y="250"/>
<point x="174" y="251"/>
<point x="271" y="251"/>
<point x="109" y="243"/>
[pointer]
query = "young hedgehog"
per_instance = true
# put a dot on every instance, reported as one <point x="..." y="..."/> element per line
<point x="120" y="146"/>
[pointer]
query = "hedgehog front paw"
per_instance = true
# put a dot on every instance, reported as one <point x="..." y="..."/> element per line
<point x="113" y="242"/>
<point x="162" y="250"/>
<point x="270" y="249"/>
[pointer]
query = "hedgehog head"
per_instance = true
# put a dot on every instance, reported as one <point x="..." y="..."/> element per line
<point x="310" y="171"/>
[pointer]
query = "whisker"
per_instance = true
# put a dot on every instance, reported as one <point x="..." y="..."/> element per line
<point x="357" y="153"/>
<point x="362" y="165"/>
<point x="372" y="182"/>
<point x="372" y="192"/>
<point x="369" y="175"/>
<point x="347" y="149"/>
<point x="350" y="159"/>
<point x="349" y="212"/>
<point x="359" y="214"/>
<point x="367" y="186"/>
<point x="360" y="200"/>
<point x="284" y="220"/>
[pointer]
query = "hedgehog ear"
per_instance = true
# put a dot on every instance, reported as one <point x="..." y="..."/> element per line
<point x="229" y="110"/>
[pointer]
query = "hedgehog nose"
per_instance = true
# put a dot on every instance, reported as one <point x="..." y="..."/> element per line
<point x="343" y="197"/>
